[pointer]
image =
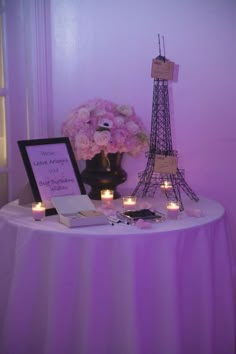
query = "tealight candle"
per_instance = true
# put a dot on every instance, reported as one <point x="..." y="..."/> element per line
<point x="107" y="196"/>
<point x="166" y="186"/>
<point x="38" y="211"/>
<point x="129" y="202"/>
<point x="172" y="210"/>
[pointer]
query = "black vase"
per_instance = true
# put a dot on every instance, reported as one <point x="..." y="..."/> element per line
<point x="104" y="172"/>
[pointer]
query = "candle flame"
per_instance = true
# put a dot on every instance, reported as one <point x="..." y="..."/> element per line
<point x="129" y="200"/>
<point x="172" y="205"/>
<point x="38" y="206"/>
<point x="107" y="194"/>
<point x="166" y="185"/>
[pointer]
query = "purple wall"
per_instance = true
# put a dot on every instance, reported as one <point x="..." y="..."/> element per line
<point x="106" y="51"/>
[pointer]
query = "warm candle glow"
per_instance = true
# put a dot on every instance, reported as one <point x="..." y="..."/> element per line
<point x="37" y="206"/>
<point x="38" y="211"/>
<point x="172" y="210"/>
<point x="166" y="186"/>
<point x="129" y="202"/>
<point x="107" y="194"/>
<point x="173" y="206"/>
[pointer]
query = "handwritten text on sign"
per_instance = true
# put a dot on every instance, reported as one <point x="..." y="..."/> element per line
<point x="165" y="164"/>
<point x="53" y="170"/>
<point x="162" y="70"/>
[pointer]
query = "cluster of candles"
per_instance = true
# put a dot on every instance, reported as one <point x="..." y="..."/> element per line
<point x="171" y="207"/>
<point x="129" y="202"/>
<point x="107" y="196"/>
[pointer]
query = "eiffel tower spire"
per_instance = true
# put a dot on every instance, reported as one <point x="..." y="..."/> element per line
<point x="161" y="148"/>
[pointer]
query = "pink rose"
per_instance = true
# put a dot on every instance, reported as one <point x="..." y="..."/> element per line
<point x="125" y="109"/>
<point x="132" y="127"/>
<point x="81" y="141"/>
<point x="102" y="138"/>
<point x="120" y="136"/>
<point x="99" y="112"/>
<point x="84" y="115"/>
<point x="119" y="121"/>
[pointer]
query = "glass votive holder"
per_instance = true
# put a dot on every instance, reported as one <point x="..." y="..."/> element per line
<point x="172" y="210"/>
<point x="38" y="211"/>
<point x="107" y="196"/>
<point x="129" y="202"/>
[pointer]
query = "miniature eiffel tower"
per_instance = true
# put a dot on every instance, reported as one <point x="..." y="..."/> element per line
<point x="161" y="170"/>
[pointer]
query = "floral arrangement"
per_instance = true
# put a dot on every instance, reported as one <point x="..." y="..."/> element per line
<point x="100" y="125"/>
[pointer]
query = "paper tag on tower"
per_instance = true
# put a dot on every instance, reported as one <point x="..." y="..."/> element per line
<point x="165" y="164"/>
<point x="162" y="69"/>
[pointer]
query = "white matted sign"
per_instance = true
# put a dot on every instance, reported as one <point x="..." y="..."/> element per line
<point x="51" y="168"/>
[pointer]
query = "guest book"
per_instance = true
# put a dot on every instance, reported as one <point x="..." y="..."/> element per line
<point x="78" y="210"/>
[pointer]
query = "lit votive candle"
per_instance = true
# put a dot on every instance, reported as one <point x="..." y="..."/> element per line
<point x="129" y="202"/>
<point x="107" y="196"/>
<point x="38" y="211"/>
<point x="166" y="186"/>
<point x="172" y="210"/>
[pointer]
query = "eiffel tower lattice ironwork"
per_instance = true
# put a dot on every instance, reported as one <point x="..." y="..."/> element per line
<point x="161" y="144"/>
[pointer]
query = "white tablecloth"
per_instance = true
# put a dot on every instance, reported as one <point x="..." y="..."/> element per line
<point x="115" y="289"/>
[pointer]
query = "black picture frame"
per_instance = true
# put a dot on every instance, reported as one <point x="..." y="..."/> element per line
<point x="51" y="168"/>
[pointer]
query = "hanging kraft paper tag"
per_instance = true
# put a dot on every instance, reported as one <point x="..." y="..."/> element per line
<point x="165" y="164"/>
<point x="162" y="70"/>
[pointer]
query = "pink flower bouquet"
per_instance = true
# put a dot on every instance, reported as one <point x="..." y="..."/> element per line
<point x="99" y="125"/>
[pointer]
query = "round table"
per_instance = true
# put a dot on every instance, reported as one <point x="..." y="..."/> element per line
<point x="116" y="289"/>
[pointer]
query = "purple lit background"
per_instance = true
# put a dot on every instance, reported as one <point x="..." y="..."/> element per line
<point x="105" y="50"/>
<point x="89" y="291"/>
